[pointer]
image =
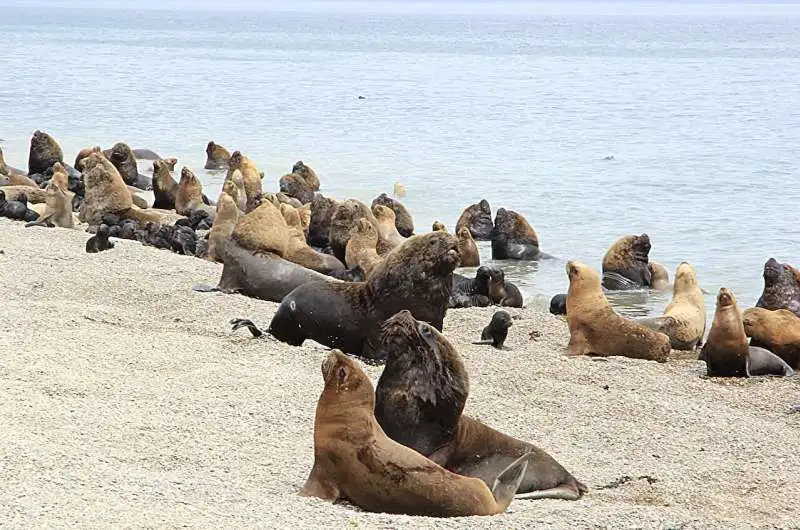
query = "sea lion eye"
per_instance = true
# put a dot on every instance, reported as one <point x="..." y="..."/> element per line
<point x="425" y="331"/>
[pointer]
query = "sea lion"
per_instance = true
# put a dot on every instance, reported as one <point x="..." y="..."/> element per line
<point x="353" y="274"/>
<point x="778" y="331"/>
<point x="106" y="192"/>
<point x="388" y="235"/>
<point x="343" y="220"/>
<point x="659" y="277"/>
<point x="224" y="223"/>
<point x="478" y="218"/>
<point x="59" y="207"/>
<point x="234" y="187"/>
<point x="419" y="402"/>
<point x="147" y="154"/>
<point x="322" y="210"/>
<point x="726" y="351"/>
<point x="354" y="459"/>
<point x="165" y="189"/>
<point x="438" y="226"/>
<point x="34" y="195"/>
<point x="299" y="252"/>
<point x="121" y="155"/>
<point x="308" y="174"/>
<point x="286" y="199"/>
<point x="403" y="220"/>
<point x="13" y="177"/>
<point x="416" y="276"/>
<point x="16" y="209"/>
<point x="625" y="264"/>
<point x="595" y="329"/>
<point x="509" y="295"/>
<point x="475" y="292"/>
<point x="470" y="257"/>
<point x="189" y="195"/>
<point x="294" y="185"/>
<point x="177" y="238"/>
<point x="362" y="245"/>
<point x="513" y="237"/>
<point x="217" y="157"/>
<point x="781" y="288"/>
<point x="497" y="330"/>
<point x="10" y="171"/>
<point x="99" y="242"/>
<point x="44" y="152"/>
<point x="249" y="171"/>
<point x="558" y="304"/>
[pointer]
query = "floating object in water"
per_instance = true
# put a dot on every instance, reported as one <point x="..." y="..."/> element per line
<point x="399" y="190"/>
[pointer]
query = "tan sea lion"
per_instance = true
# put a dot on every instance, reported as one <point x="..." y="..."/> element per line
<point x="263" y="230"/>
<point x="165" y="189"/>
<point x="354" y="459"/>
<point x="659" y="277"/>
<point x="298" y="250"/>
<point x="9" y="171"/>
<point x="84" y="153"/>
<point x="60" y="176"/>
<point x="478" y="218"/>
<point x="778" y="331"/>
<point x="419" y="402"/>
<point x="221" y="230"/>
<point x="514" y="238"/>
<point x="239" y="196"/>
<point x="106" y="192"/>
<point x="44" y="152"/>
<point x="595" y="329"/>
<point x="59" y="207"/>
<point x="13" y="176"/>
<point x="217" y="157"/>
<point x="344" y="218"/>
<point x="249" y="171"/>
<point x="189" y="196"/>
<point x="438" y="226"/>
<point x="304" y="212"/>
<point x="286" y="199"/>
<point x="727" y="353"/>
<point x="403" y="220"/>
<point x="467" y="249"/>
<point x="625" y="264"/>
<point x="362" y="247"/>
<point x="34" y="195"/>
<point x="388" y="235"/>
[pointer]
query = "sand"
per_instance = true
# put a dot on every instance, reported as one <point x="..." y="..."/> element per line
<point x="127" y="401"/>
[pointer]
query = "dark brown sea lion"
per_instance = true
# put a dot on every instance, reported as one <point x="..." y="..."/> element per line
<point x="558" y="304"/>
<point x="478" y="218"/>
<point x="497" y="330"/>
<point x="403" y="220"/>
<point x="778" y="331"/>
<point x="217" y="157"/>
<point x="595" y="329"/>
<point x="121" y="155"/>
<point x="322" y="210"/>
<point x="308" y="174"/>
<point x="16" y="209"/>
<point x="343" y="220"/>
<point x="250" y="173"/>
<point x="513" y="237"/>
<point x="99" y="241"/>
<point x="355" y="460"/>
<point x="470" y="257"/>
<point x="416" y="276"/>
<point x="44" y="152"/>
<point x="293" y="185"/>
<point x="727" y="353"/>
<point x="165" y="189"/>
<point x="781" y="288"/>
<point x="625" y="265"/>
<point x="509" y="295"/>
<point x="479" y="291"/>
<point x="419" y="403"/>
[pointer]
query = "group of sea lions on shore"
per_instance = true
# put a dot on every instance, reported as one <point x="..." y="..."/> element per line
<point x="357" y="279"/>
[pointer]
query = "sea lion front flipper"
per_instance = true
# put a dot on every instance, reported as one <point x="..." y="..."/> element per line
<point x="317" y="485"/>
<point x="507" y="483"/>
<point x="42" y="221"/>
<point x="243" y="322"/>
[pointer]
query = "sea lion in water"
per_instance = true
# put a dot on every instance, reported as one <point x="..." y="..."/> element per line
<point x="354" y="459"/>
<point x="221" y="230"/>
<point x="497" y="330"/>
<point x="44" y="152"/>
<point x="322" y="210"/>
<point x="513" y="237"/>
<point x="438" y="226"/>
<point x="684" y="319"/>
<point x="419" y="402"/>
<point x="189" y="195"/>
<point x="726" y="351"/>
<point x="403" y="220"/>
<point x="298" y="250"/>
<point x="470" y="257"/>
<point x="99" y="242"/>
<point x="121" y="155"/>
<point x="625" y="264"/>
<point x="362" y="245"/>
<point x="781" y="288"/>
<point x="595" y="329"/>
<point x="659" y="276"/>
<point x="165" y="189"/>
<point x="59" y="207"/>
<point x="558" y="304"/>
<point x="478" y="218"/>
<point x="778" y="331"/>
<point x="387" y="231"/>
<point x="217" y="157"/>
<point x="343" y="220"/>
<point x="250" y="173"/>
<point x="416" y="276"/>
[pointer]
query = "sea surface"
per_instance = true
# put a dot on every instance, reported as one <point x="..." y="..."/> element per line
<point x="595" y="121"/>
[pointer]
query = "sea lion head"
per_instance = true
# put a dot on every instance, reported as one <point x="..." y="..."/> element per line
<point x="439" y="227"/>
<point x="236" y="160"/>
<point x="364" y="228"/>
<point x="725" y="298"/>
<point x="188" y="177"/>
<point x="291" y="216"/>
<point x="478" y="217"/>
<point x="775" y="272"/>
<point x="685" y="277"/>
<point x="170" y="162"/>
<point x="383" y="214"/>
<point x="463" y="234"/>
<point x="640" y="247"/>
<point x="120" y="152"/>
<point x="345" y="381"/>
<point x="102" y="231"/>
<point x="496" y="286"/>
<point x="753" y="319"/>
<point x="210" y="148"/>
<point x="501" y="320"/>
<point x="5" y="180"/>
<point x="580" y="273"/>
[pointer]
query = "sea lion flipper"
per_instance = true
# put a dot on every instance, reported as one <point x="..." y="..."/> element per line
<point x="566" y="492"/>
<point x="205" y="288"/>
<point x="507" y="483"/>
<point x="483" y="342"/>
<point x="243" y="322"/>
<point x="42" y="221"/>
<point x="318" y="486"/>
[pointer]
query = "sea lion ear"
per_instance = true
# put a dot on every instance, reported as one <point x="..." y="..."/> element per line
<point x="342" y="375"/>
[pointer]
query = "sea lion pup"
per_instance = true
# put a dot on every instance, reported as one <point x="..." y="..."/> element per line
<point x="121" y="155"/>
<point x="361" y="247"/>
<point x="59" y="208"/>
<point x="558" y="304"/>
<point x="165" y="189"/>
<point x="217" y="157"/>
<point x="388" y="235"/>
<point x="659" y="277"/>
<point x="419" y="402"/>
<point x="513" y="237"/>
<point x="497" y="330"/>
<point x="44" y="152"/>
<point x="509" y="295"/>
<point x="106" y="192"/>
<point x="189" y="196"/>
<point x="625" y="264"/>
<point x="470" y="257"/>
<point x="726" y="351"/>
<point x="322" y="210"/>
<point x="99" y="242"/>
<point x="354" y="459"/>
<point x="16" y="209"/>
<point x="477" y="291"/>
<point x="416" y="276"/>
<point x="595" y="329"/>
<point x="308" y="174"/>
<point x="224" y="223"/>
<point x="781" y="289"/>
<point x="438" y="226"/>
<point x="298" y="250"/>
<point x="778" y="331"/>
<point x="343" y="220"/>
<point x="249" y="171"/>
<point x="478" y="218"/>
<point x="402" y="219"/>
<point x="234" y="187"/>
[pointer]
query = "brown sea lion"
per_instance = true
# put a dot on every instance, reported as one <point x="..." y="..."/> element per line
<point x="33" y="195"/>
<point x="510" y="295"/>
<point x="291" y="201"/>
<point x="496" y="332"/>
<point x="234" y="186"/>
<point x="165" y="189"/>
<point x="44" y="152"/>
<point x="221" y="230"/>
<point x="513" y="237"/>
<point x="419" y="402"/>
<point x="438" y="226"/>
<point x="106" y="192"/>
<point x="263" y="230"/>
<point x="727" y="353"/>
<point x="322" y="210"/>
<point x="388" y="235"/>
<point x="308" y="174"/>
<point x="84" y="153"/>
<point x="478" y="218"/>
<point x="595" y="329"/>
<point x="361" y="247"/>
<point x="781" y="287"/>
<point x="482" y="291"/>
<point x="13" y="176"/>
<point x="121" y="155"/>
<point x="343" y="220"/>
<point x="659" y="276"/>
<point x="403" y="220"/>
<point x="250" y="173"/>
<point x="298" y="250"/>
<point x="189" y="195"/>
<point x="354" y="459"/>
<point x="59" y="207"/>
<point x="625" y="264"/>
<point x="467" y="249"/>
<point x="295" y="186"/>
<point x="217" y="157"/>
<point x="778" y="331"/>
<point x="60" y="176"/>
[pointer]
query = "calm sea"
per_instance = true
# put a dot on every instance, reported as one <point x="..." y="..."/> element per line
<point x="519" y="103"/>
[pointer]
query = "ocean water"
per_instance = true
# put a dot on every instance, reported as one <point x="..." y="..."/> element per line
<point x="518" y="103"/>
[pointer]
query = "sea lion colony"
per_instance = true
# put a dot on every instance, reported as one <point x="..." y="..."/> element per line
<point x="379" y="291"/>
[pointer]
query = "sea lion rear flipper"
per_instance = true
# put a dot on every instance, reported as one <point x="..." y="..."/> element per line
<point x="42" y="221"/>
<point x="205" y="288"/>
<point x="507" y="483"/>
<point x="482" y="342"/>
<point x="571" y="491"/>
<point x="243" y="322"/>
